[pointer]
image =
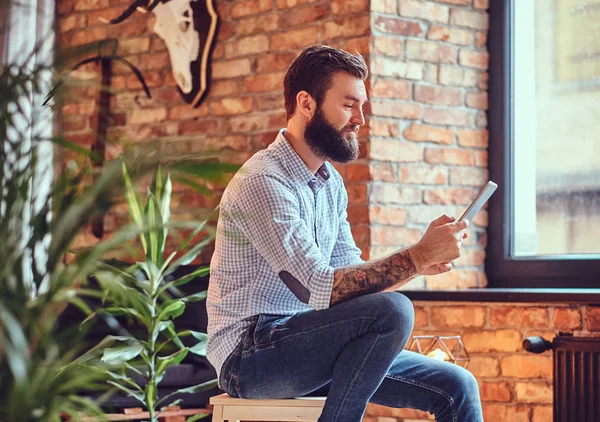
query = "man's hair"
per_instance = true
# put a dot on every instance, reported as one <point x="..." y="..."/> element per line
<point x="313" y="71"/>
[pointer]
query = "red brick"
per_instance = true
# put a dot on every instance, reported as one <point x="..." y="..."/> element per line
<point x="456" y="2"/>
<point x="477" y="100"/>
<point x="357" y="194"/>
<point x="458" y="316"/>
<point x="421" y="316"/>
<point x="430" y="73"/>
<point x="481" y="158"/>
<point x="391" y="88"/>
<point x="259" y="24"/>
<point x="398" y="26"/>
<point x="382" y="172"/>
<point x="382" y="214"/>
<point x="384" y="128"/>
<point x="274" y="62"/>
<point x="393" y="194"/>
<point x="257" y="122"/>
<point x="476" y="59"/>
<point x="427" y="133"/>
<point x="469" y="19"/>
<point x="355" y="45"/>
<point x="473" y="138"/>
<point x="347" y="7"/>
<point x="264" y="83"/>
<point x="480" y="40"/>
<point x="284" y="4"/>
<point x="294" y="39"/>
<point x="202" y="126"/>
<point x="145" y="115"/>
<point x="250" y="45"/>
<point x="347" y="27"/>
<point x="430" y="51"/>
<point x="542" y="414"/>
<point x="455" y="279"/>
<point x="450" y="35"/>
<point x="393" y="150"/>
<point x="592" y="318"/>
<point x="470" y="258"/>
<point x="483" y="341"/>
<point x="458" y="76"/>
<point x="468" y="176"/>
<point x="270" y="101"/>
<point x="426" y="175"/>
<point x="396" y="109"/>
<point x="452" y="117"/>
<point x="533" y="392"/>
<point x="451" y="156"/>
<point x="385" y="66"/>
<point x="250" y="7"/>
<point x="484" y="366"/>
<point x="185" y="111"/>
<point x="482" y="81"/>
<point x="519" y="316"/>
<point x="527" y="366"/>
<point x="495" y="391"/>
<point x="90" y="4"/>
<point x="506" y="412"/>
<point x="134" y="45"/>
<point x="481" y="4"/>
<point x="155" y="61"/>
<point x="358" y="214"/>
<point x="231" y="68"/>
<point x="566" y="318"/>
<point x="438" y="95"/>
<point x="459" y="196"/>
<point x="394" y="236"/>
<point x="87" y="35"/>
<point x="73" y="21"/>
<point x="424" y="10"/>
<point x="221" y="88"/>
<point x="358" y="173"/>
<point x="384" y="6"/>
<point x="304" y="15"/>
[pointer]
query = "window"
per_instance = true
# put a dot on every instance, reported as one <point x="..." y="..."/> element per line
<point x="544" y="123"/>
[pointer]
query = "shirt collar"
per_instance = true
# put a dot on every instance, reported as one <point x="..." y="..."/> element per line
<point x="299" y="172"/>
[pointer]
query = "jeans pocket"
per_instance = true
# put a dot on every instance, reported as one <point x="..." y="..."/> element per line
<point x="266" y="326"/>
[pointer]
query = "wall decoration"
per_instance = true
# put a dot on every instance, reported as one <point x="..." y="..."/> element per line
<point x="188" y="28"/>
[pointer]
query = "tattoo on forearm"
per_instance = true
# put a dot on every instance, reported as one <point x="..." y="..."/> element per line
<point x="372" y="276"/>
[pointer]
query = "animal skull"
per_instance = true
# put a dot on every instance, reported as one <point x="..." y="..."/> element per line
<point x="175" y="25"/>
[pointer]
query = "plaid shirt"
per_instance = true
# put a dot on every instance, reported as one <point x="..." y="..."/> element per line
<point x="281" y="232"/>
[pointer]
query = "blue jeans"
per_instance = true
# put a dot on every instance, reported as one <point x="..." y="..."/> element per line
<point x="352" y="353"/>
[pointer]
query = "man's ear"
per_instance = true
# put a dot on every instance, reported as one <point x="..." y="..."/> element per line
<point x="306" y="104"/>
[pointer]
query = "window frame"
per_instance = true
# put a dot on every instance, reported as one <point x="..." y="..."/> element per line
<point x="504" y="271"/>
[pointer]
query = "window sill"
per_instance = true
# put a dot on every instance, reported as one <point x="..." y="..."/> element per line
<point x="539" y="295"/>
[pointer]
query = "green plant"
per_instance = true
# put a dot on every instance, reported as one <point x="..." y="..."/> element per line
<point x="144" y="293"/>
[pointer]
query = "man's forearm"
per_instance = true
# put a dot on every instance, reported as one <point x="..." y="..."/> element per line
<point x="372" y="276"/>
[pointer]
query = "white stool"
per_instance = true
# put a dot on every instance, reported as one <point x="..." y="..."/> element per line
<point x="227" y="408"/>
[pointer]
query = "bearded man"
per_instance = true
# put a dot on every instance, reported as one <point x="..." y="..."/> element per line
<point x="293" y="309"/>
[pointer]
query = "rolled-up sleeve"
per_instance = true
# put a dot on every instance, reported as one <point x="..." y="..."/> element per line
<point x="267" y="212"/>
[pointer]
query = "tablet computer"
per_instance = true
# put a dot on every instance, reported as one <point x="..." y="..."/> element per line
<point x="482" y="197"/>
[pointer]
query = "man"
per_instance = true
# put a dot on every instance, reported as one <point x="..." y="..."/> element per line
<point x="292" y="308"/>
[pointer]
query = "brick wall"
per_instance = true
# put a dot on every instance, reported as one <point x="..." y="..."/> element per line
<point x="256" y="42"/>
<point x="515" y="386"/>
<point x="423" y="150"/>
<point x="428" y="135"/>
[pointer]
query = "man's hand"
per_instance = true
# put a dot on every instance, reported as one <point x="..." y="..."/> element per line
<point x="440" y="245"/>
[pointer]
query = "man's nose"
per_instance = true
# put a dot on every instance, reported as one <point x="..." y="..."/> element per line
<point x="358" y="117"/>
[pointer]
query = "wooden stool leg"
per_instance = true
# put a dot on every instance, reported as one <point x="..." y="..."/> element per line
<point x="217" y="415"/>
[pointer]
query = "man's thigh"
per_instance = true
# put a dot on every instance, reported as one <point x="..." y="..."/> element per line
<point x="293" y="356"/>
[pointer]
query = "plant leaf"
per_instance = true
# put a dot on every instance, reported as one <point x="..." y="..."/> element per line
<point x="173" y="359"/>
<point x="197" y="417"/>
<point x="134" y="202"/>
<point x="128" y="391"/>
<point x="155" y="234"/>
<point x="172" y="309"/>
<point x="118" y="355"/>
<point x="196" y="297"/>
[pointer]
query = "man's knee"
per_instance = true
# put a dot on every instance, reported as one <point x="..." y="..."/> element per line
<point x="465" y="382"/>
<point x="395" y="311"/>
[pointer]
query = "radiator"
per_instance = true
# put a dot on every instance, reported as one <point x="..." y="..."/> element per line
<point x="576" y="380"/>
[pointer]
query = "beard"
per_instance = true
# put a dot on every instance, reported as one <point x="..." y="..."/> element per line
<point x="325" y="141"/>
